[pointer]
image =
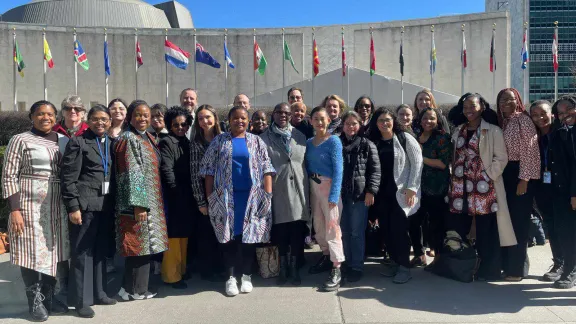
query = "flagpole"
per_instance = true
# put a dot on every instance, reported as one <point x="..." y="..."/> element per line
<point x="558" y="59"/>
<point x="526" y="74"/>
<point x="75" y="69"/>
<point x="225" y="70"/>
<point x="254" y="46"/>
<point x="44" y="63"/>
<point x="494" y="70"/>
<point x="402" y="74"/>
<point x="371" y="87"/>
<point x="283" y="65"/>
<point x="462" y="62"/>
<point x="343" y="67"/>
<point x="14" y="76"/>
<point x="313" y="76"/>
<point x="195" y="42"/>
<point x="431" y="60"/>
<point x="106" y="74"/>
<point x="166" y="68"/>
<point x="136" y="58"/>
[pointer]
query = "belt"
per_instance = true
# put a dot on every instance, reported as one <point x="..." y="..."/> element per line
<point x="315" y="177"/>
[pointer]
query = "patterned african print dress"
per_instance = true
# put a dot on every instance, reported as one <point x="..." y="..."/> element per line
<point x="138" y="185"/>
<point x="32" y="169"/>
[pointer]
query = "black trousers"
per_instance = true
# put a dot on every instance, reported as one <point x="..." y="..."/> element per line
<point x="289" y="237"/>
<point x="544" y="197"/>
<point x="31" y="277"/>
<point x="89" y="248"/>
<point x="209" y="253"/>
<point x="515" y="258"/>
<point x="238" y="256"/>
<point x="394" y="227"/>
<point x="428" y="222"/>
<point x="136" y="274"/>
<point x="487" y="240"/>
<point x="565" y="223"/>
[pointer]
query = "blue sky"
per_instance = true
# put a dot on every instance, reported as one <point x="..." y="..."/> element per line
<point x="276" y="13"/>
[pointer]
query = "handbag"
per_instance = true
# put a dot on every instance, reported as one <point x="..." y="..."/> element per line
<point x="4" y="243"/>
<point x="268" y="261"/>
<point x="460" y="264"/>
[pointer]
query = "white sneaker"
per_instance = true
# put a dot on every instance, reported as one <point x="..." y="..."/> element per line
<point x="126" y="296"/>
<point x="232" y="287"/>
<point x="246" y="286"/>
<point x="149" y="295"/>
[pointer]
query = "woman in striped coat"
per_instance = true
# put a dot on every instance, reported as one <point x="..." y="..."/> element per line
<point x="38" y="219"/>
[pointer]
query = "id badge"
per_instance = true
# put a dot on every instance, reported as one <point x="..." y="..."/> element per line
<point x="547" y="177"/>
<point x="105" y="187"/>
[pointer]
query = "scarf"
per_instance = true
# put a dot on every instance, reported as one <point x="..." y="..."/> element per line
<point x="334" y="126"/>
<point x="285" y="134"/>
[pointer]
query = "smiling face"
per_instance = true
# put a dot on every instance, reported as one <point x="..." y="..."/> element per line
<point x="405" y="116"/>
<point x="242" y="100"/>
<point x="179" y="126"/>
<point x="99" y="123"/>
<point x="320" y="121"/>
<point x="385" y="124"/>
<point x="295" y="96"/>
<point x="157" y="121"/>
<point x="259" y="123"/>
<point x="429" y="121"/>
<point x="282" y="115"/>
<point x="473" y="109"/>
<point x="73" y="114"/>
<point x="44" y="118"/>
<point x="118" y="112"/>
<point x="541" y="116"/>
<point x="423" y="101"/>
<point x="141" y="118"/>
<point x="507" y="103"/>
<point x="351" y="126"/>
<point x="238" y="122"/>
<point x="365" y="109"/>
<point x="188" y="100"/>
<point x="333" y="108"/>
<point x="206" y="120"/>
<point x="566" y="113"/>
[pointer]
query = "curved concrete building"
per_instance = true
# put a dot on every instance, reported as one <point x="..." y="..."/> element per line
<point x="99" y="13"/>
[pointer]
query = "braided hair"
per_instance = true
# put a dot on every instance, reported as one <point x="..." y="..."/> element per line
<point x="520" y="108"/>
<point x="456" y="114"/>
<point x="569" y="98"/>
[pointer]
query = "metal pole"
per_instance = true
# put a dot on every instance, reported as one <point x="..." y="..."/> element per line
<point x="462" y="62"/>
<point x="106" y="74"/>
<point x="195" y="82"/>
<point x="343" y="67"/>
<point x="283" y="65"/>
<point x="371" y="87"/>
<point x="166" y="68"/>
<point x="494" y="70"/>
<point x="254" y="53"/>
<point x="402" y="74"/>
<point x="75" y="69"/>
<point x="44" y="63"/>
<point x="313" y="76"/>
<point x="558" y="58"/>
<point x="525" y="87"/>
<point x="15" y="87"/>
<point x="431" y="60"/>
<point x="225" y="71"/>
<point x="136" y="58"/>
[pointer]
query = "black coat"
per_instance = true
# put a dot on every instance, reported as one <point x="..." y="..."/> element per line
<point x="365" y="165"/>
<point x="82" y="175"/>
<point x="179" y="202"/>
<point x="562" y="161"/>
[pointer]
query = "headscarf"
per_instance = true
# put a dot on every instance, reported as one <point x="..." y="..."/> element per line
<point x="285" y="134"/>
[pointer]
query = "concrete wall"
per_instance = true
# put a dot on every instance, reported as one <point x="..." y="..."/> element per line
<point x="210" y="81"/>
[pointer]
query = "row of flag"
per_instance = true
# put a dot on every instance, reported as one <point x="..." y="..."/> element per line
<point x="179" y="58"/>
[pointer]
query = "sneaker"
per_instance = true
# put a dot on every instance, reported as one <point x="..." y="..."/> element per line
<point x="323" y="265"/>
<point x="246" y="284"/>
<point x="232" y="287"/>
<point x="566" y="281"/>
<point x="125" y="296"/>
<point x="402" y="275"/>
<point x="110" y="265"/>
<point x="554" y="273"/>
<point x="308" y="243"/>
<point x="149" y="295"/>
<point x="418" y="261"/>
<point x="334" y="280"/>
<point x="389" y="269"/>
<point x="353" y="275"/>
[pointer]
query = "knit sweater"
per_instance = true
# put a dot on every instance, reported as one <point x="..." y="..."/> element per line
<point x="326" y="160"/>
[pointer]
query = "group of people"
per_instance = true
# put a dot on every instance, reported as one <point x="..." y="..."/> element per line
<point x="156" y="184"/>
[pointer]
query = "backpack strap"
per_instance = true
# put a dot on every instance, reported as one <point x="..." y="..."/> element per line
<point x="402" y="139"/>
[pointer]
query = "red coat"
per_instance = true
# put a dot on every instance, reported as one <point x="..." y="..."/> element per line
<point x="62" y="129"/>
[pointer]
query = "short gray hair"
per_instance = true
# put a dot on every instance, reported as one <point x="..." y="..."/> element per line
<point x="72" y="101"/>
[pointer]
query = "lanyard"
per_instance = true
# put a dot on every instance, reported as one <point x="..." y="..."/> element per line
<point x="546" y="145"/>
<point x="105" y="158"/>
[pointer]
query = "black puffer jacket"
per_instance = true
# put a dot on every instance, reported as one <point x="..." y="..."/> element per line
<point x="361" y="168"/>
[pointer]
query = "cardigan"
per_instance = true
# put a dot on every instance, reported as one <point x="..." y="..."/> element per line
<point x="407" y="172"/>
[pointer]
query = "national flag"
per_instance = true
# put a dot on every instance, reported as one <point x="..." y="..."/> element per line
<point x="106" y="59"/>
<point x="48" y="54"/>
<point x="492" y="55"/>
<point x="433" y="59"/>
<point x="525" y="55"/>
<point x="175" y="55"/>
<point x="139" y="55"/>
<point x="259" y="59"/>
<point x="555" y="53"/>
<point x="372" y="57"/>
<point x="344" y="64"/>
<point x="227" y="57"/>
<point x="80" y="56"/>
<point x="18" y="59"/>
<point x="463" y="54"/>
<point x="401" y="59"/>
<point x="204" y="57"/>
<point x="315" y="59"/>
<point x="288" y="56"/>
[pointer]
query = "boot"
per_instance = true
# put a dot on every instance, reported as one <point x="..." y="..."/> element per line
<point x="283" y="275"/>
<point x="52" y="304"/>
<point x="567" y="280"/>
<point x="334" y="280"/>
<point x="35" y="306"/>
<point x="323" y="265"/>
<point x="554" y="273"/>
<point x="295" y="271"/>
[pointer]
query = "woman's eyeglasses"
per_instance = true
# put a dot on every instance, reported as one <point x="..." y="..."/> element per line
<point x="103" y="120"/>
<point x="179" y="125"/>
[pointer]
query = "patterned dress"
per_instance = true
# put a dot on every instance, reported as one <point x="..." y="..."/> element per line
<point x="469" y="175"/>
<point x="32" y="169"/>
<point x="138" y="185"/>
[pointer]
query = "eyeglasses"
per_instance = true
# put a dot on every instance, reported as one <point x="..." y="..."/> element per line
<point x="103" y="120"/>
<point x="70" y="108"/>
<point x="283" y="113"/>
<point x="159" y="117"/>
<point x="179" y="125"/>
<point x="295" y="97"/>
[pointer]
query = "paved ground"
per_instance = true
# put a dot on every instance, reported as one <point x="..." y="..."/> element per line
<point x="425" y="299"/>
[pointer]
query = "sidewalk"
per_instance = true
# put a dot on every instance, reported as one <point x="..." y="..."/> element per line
<point x="425" y="299"/>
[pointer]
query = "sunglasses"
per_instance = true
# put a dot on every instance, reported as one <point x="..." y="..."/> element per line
<point x="179" y="125"/>
<point x="76" y="109"/>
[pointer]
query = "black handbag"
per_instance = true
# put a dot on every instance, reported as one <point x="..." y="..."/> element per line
<point x="460" y="265"/>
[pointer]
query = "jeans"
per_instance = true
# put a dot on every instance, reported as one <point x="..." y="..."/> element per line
<point x="353" y="224"/>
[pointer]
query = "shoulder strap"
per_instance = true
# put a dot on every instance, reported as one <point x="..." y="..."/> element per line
<point x="402" y="139"/>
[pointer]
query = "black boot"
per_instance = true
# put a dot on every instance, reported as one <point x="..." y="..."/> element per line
<point x="323" y="265"/>
<point x="554" y="273"/>
<point x="567" y="280"/>
<point x="295" y="271"/>
<point x="52" y="304"/>
<point x="283" y="275"/>
<point x="35" y="306"/>
<point x="334" y="280"/>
